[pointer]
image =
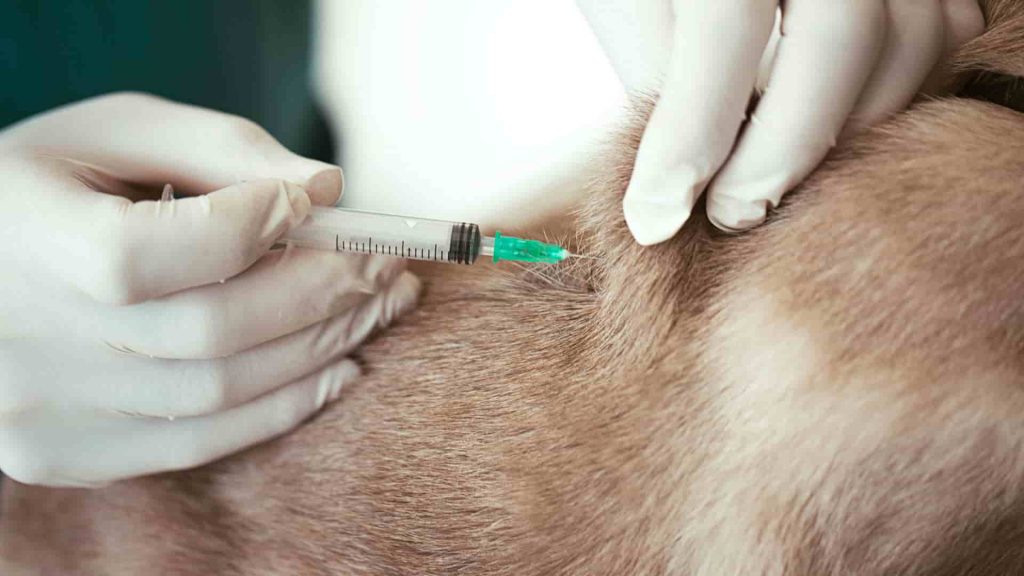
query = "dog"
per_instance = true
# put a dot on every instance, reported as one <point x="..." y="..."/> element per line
<point x="840" y="391"/>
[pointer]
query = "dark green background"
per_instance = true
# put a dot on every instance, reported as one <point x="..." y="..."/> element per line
<point x="247" y="57"/>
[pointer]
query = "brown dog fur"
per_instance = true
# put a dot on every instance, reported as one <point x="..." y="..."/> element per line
<point x="840" y="391"/>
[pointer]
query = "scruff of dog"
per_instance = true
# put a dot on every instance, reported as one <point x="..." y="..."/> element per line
<point x="840" y="391"/>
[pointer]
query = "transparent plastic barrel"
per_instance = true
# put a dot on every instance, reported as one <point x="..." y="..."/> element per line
<point x="372" y="233"/>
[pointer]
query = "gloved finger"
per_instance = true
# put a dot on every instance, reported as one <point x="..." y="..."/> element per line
<point x="716" y="52"/>
<point x="913" y="45"/>
<point x="141" y="138"/>
<point x="91" y="375"/>
<point x="764" y="69"/>
<point x="828" y="50"/>
<point x="286" y="291"/>
<point x="964" y="21"/>
<point x="121" y="252"/>
<point x="58" y="448"/>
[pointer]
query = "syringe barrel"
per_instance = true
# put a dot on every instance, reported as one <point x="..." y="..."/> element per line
<point x="347" y="230"/>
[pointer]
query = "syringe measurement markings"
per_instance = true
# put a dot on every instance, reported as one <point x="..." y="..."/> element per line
<point x="437" y="254"/>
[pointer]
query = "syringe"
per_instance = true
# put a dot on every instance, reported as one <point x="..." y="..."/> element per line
<point x="347" y="230"/>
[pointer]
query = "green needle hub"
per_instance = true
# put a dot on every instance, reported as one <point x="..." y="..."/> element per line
<point x="520" y="250"/>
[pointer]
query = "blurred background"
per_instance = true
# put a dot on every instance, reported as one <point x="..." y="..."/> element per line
<point x="479" y="110"/>
<point x="248" y="57"/>
<point x="464" y="109"/>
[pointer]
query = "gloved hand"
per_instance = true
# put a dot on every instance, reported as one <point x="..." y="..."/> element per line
<point x="836" y="67"/>
<point x="140" y="337"/>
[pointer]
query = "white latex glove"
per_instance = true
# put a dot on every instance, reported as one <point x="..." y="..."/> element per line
<point x="140" y="337"/>
<point x="836" y="66"/>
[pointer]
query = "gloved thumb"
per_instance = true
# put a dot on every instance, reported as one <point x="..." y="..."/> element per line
<point x="123" y="252"/>
<point x="144" y="139"/>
